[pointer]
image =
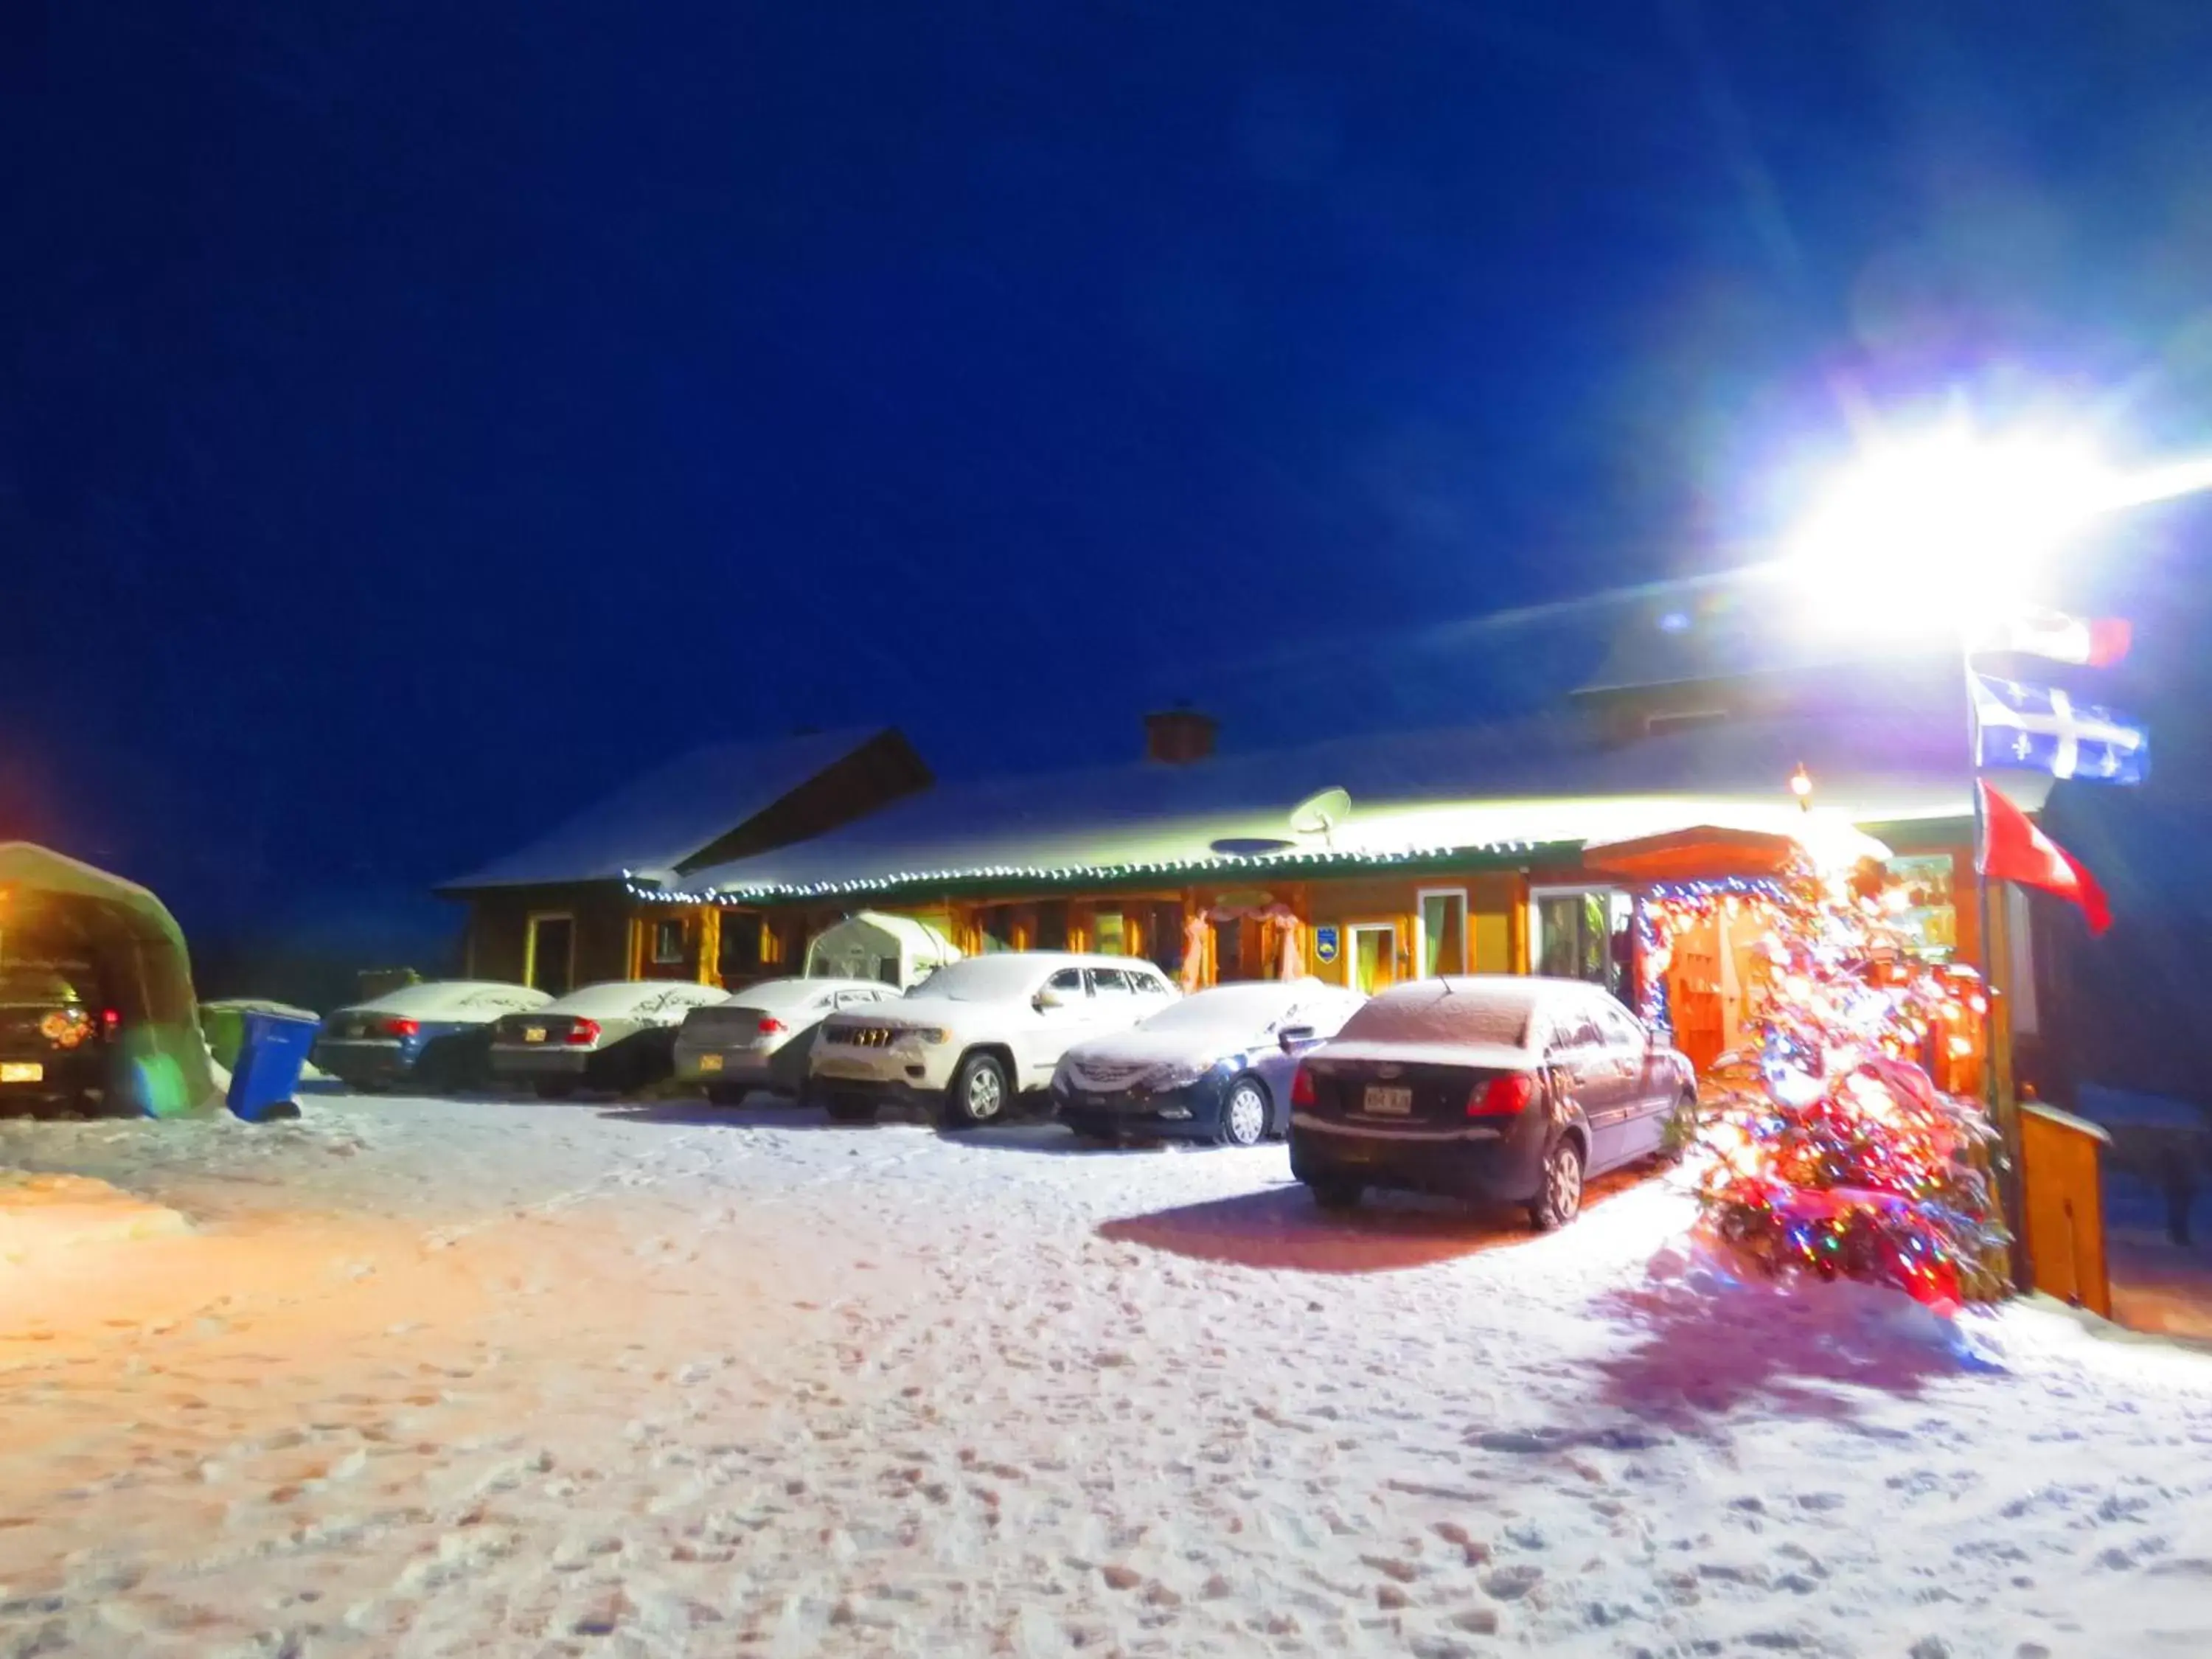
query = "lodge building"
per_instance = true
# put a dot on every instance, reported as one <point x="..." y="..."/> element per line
<point x="1516" y="847"/>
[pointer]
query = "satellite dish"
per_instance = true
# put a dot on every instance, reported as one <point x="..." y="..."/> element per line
<point x="1251" y="847"/>
<point x="1317" y="814"/>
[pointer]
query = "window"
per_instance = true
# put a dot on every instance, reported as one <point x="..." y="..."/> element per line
<point x="995" y="923"/>
<point x="1110" y="933"/>
<point x="1163" y="940"/>
<point x="1572" y="1031"/>
<point x="1228" y="951"/>
<point x="1067" y="982"/>
<point x="668" y="940"/>
<point x="1929" y="917"/>
<point x="741" y="946"/>
<point x="1051" y="928"/>
<point x="1103" y="980"/>
<point x="1620" y="1030"/>
<point x="1582" y="932"/>
<point x="1442" y="945"/>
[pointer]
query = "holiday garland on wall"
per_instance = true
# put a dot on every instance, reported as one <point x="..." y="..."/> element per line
<point x="1832" y="1151"/>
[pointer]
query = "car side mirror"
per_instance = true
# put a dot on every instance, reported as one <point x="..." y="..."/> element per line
<point x="1295" y="1037"/>
<point x="1047" y="998"/>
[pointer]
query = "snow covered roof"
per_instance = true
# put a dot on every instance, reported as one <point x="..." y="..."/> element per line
<point x="1549" y="780"/>
<point x="673" y="814"/>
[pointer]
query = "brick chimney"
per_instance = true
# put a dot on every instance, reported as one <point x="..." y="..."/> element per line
<point x="1178" y="736"/>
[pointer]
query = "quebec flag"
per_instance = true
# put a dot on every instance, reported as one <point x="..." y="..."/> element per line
<point x="2036" y="728"/>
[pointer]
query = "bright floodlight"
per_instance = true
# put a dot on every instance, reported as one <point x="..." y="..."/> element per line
<point x="1946" y="531"/>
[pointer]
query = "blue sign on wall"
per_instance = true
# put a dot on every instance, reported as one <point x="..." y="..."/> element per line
<point x="1324" y="944"/>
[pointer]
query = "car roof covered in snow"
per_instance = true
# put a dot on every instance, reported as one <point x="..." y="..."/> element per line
<point x="1488" y="1010"/>
<point x="1554" y="779"/>
<point x="482" y="997"/>
<point x="673" y="813"/>
<point x="773" y="994"/>
<point x="618" y="999"/>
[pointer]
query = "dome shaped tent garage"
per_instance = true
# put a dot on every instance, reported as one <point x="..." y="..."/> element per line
<point x="51" y="905"/>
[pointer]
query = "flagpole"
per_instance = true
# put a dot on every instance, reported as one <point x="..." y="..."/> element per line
<point x="2010" y="1194"/>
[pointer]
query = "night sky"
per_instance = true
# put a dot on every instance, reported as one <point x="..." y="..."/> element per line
<point x="415" y="419"/>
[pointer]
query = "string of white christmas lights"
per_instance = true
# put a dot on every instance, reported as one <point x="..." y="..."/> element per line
<point x="654" y="893"/>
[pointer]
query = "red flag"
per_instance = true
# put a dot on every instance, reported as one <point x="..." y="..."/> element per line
<point x="2014" y="849"/>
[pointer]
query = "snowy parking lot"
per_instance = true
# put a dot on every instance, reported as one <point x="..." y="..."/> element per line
<point x="424" y="1378"/>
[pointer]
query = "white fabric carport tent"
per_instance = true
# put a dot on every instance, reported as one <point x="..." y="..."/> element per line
<point x="145" y="969"/>
<point x="850" y="949"/>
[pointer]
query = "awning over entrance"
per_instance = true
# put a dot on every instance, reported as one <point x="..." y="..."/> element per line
<point x="1711" y="852"/>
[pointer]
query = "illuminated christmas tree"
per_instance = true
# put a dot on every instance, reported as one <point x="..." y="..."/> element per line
<point x="1832" y="1152"/>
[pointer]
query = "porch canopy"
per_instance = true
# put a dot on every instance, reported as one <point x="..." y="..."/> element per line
<point x="54" y="908"/>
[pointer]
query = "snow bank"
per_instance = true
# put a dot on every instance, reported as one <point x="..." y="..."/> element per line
<point x="42" y="1214"/>
<point x="1843" y="1316"/>
<point x="469" y="1378"/>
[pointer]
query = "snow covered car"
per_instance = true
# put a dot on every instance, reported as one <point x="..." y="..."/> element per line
<point x="979" y="1032"/>
<point x="619" y="1035"/>
<point x="1216" y="1066"/>
<point x="54" y="1043"/>
<point x="433" y="1035"/>
<point x="761" y="1036"/>
<point x="1508" y="1089"/>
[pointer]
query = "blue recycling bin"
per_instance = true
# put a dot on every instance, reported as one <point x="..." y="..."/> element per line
<point x="272" y="1052"/>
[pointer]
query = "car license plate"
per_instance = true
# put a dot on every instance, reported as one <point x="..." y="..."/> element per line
<point x="22" y="1070"/>
<point x="1389" y="1103"/>
<point x="710" y="1063"/>
<point x="533" y="1034"/>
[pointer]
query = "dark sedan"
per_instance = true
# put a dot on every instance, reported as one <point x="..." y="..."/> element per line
<point x="1508" y="1089"/>
<point x="435" y="1035"/>
<point x="1214" y="1067"/>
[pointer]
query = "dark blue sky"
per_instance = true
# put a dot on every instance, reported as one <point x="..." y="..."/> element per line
<point x="414" y="418"/>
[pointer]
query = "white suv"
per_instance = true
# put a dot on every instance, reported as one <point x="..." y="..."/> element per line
<point x="979" y="1032"/>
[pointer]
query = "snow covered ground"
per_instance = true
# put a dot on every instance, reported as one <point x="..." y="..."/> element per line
<point x="429" y="1378"/>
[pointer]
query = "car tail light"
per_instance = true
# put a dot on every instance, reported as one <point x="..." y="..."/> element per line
<point x="1301" y="1089"/>
<point x="65" y="1027"/>
<point x="770" y="1025"/>
<point x="1502" y="1097"/>
<point x="583" y="1031"/>
<point x="401" y="1028"/>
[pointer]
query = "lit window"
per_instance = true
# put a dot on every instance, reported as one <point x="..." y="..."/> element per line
<point x="668" y="941"/>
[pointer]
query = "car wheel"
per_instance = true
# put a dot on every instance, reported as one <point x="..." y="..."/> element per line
<point x="1336" y="1192"/>
<point x="556" y="1088"/>
<point x="978" y="1094"/>
<point x="1244" y="1115"/>
<point x="842" y="1110"/>
<point x="726" y="1094"/>
<point x="1559" y="1198"/>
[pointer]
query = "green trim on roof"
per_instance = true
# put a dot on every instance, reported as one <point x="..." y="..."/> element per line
<point x="1017" y="882"/>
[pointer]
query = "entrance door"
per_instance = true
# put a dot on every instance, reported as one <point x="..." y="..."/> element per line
<point x="549" y="962"/>
<point x="1374" y="957"/>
